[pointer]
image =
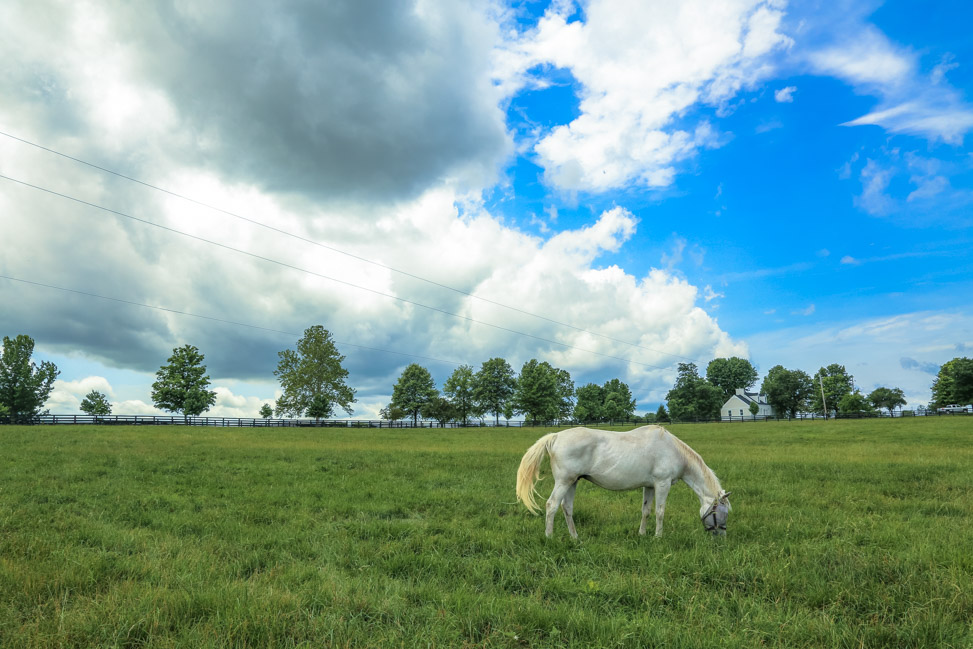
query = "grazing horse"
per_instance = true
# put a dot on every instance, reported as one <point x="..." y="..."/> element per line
<point x="649" y="457"/>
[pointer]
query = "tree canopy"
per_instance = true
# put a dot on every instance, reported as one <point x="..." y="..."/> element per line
<point x="837" y="383"/>
<point x="95" y="403"/>
<point x="24" y="385"/>
<point x="612" y="401"/>
<point x="787" y="390"/>
<point x="888" y="398"/>
<point x="493" y="387"/>
<point x="728" y="374"/>
<point x="312" y="379"/>
<point x="544" y="392"/>
<point x="181" y="385"/>
<point x="414" y="389"/>
<point x="692" y="397"/>
<point x="459" y="390"/>
<point x="953" y="383"/>
<point x="661" y="416"/>
<point x="854" y="403"/>
<point x="590" y="403"/>
<point x="440" y="409"/>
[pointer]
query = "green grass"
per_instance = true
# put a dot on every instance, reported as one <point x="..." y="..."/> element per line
<point x="843" y="534"/>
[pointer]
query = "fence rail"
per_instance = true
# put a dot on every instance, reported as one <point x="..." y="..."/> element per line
<point x="242" y="422"/>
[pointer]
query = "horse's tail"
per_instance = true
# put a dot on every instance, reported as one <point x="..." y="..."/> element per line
<point x="530" y="469"/>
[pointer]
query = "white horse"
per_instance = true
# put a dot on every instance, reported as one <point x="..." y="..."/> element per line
<point x="649" y="457"/>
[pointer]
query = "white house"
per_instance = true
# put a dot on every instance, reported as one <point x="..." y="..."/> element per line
<point x="739" y="406"/>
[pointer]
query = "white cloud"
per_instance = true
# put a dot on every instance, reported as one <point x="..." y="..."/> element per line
<point x="875" y="182"/>
<point x="66" y="396"/>
<point x="809" y="310"/>
<point x="709" y="294"/>
<point x="866" y="58"/>
<point x="938" y="74"/>
<point x="785" y="95"/>
<point x="910" y="102"/>
<point x="640" y="66"/>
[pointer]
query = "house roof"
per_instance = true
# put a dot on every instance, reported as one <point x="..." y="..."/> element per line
<point x="749" y="397"/>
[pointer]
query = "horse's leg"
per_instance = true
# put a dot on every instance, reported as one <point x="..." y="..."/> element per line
<point x="560" y="489"/>
<point x="647" y="494"/>
<point x="568" y="507"/>
<point x="661" y="493"/>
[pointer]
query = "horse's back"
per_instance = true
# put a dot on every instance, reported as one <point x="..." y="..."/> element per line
<point x="615" y="460"/>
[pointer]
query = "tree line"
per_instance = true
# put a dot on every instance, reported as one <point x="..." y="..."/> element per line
<point x="314" y="384"/>
<point x="831" y="390"/>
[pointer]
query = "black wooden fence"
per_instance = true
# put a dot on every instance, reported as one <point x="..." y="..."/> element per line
<point x="242" y="422"/>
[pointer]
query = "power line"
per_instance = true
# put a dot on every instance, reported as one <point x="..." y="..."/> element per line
<point x="336" y="250"/>
<point x="321" y="275"/>
<point x="221" y="320"/>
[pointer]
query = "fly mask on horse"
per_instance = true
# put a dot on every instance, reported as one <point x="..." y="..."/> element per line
<point x="714" y="520"/>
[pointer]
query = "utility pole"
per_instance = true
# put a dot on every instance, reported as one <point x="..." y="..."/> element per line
<point x="823" y="401"/>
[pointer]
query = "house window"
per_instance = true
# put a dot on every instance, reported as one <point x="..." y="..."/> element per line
<point x="741" y="412"/>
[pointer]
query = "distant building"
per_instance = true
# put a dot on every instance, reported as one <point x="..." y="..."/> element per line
<point x="738" y="406"/>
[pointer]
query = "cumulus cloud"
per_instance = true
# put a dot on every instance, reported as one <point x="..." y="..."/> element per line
<point x="640" y="65"/>
<point x="372" y="132"/>
<point x="330" y="101"/>
<point x="66" y="396"/>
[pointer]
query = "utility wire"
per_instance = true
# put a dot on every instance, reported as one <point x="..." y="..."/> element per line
<point x="221" y="320"/>
<point x="327" y="277"/>
<point x="332" y="249"/>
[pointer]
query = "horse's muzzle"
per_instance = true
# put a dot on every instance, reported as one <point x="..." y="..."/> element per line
<point x="714" y="520"/>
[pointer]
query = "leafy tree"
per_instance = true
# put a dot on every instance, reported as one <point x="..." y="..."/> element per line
<point x="543" y="392"/>
<point x="649" y="418"/>
<point x="590" y="403"/>
<point x="319" y="407"/>
<point x="95" y="403"/>
<point x="661" y="416"/>
<point x="728" y="374"/>
<point x="953" y="383"/>
<point x="440" y="409"/>
<point x="392" y="412"/>
<point x="854" y="403"/>
<point x="312" y="377"/>
<point x="413" y="390"/>
<point x="565" y="392"/>
<point x="837" y="383"/>
<point x="181" y="385"/>
<point x="888" y="398"/>
<point x="619" y="403"/>
<point x="963" y="381"/>
<point x="692" y="397"/>
<point x="266" y="411"/>
<point x="754" y="409"/>
<point x="459" y="389"/>
<point x="24" y="386"/>
<point x="787" y="390"/>
<point x="493" y="387"/>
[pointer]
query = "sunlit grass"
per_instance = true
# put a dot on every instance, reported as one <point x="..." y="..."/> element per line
<point x="843" y="534"/>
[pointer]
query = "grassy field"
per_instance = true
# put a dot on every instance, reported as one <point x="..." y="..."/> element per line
<point x="843" y="534"/>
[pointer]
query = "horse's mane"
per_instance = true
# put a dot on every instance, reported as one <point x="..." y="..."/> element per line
<point x="693" y="458"/>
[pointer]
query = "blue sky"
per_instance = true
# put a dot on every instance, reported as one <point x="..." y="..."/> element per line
<point x="790" y="182"/>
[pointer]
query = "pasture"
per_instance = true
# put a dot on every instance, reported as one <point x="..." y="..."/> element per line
<point x="843" y="534"/>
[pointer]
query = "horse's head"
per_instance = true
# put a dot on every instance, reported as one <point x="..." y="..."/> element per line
<point x="714" y="518"/>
